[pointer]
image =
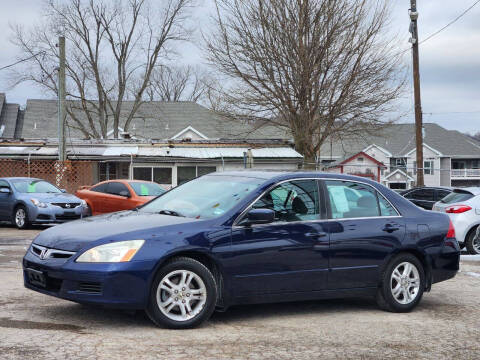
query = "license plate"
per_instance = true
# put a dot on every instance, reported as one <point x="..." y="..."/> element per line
<point x="69" y="213"/>
<point x="36" y="277"/>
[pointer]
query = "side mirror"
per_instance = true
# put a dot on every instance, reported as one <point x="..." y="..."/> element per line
<point x="5" y="190"/>
<point x="260" y="216"/>
<point x="63" y="190"/>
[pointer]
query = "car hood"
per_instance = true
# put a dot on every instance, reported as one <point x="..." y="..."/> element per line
<point x="57" y="197"/>
<point x="75" y="235"/>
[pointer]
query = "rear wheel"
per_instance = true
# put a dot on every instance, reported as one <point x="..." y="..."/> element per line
<point x="183" y="294"/>
<point x="472" y="242"/>
<point x="20" y="217"/>
<point x="402" y="284"/>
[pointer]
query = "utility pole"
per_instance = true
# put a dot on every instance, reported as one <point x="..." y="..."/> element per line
<point x="416" y="88"/>
<point x="61" y="100"/>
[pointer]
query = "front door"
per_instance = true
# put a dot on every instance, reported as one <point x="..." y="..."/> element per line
<point x="288" y="255"/>
<point x="364" y="229"/>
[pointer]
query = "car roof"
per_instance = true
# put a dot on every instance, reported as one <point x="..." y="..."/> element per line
<point x="122" y="181"/>
<point x="276" y="175"/>
<point x="472" y="189"/>
<point x="20" y="178"/>
<point x="430" y="187"/>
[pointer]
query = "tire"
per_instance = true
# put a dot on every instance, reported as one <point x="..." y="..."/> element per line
<point x="401" y="303"/>
<point x="472" y="242"/>
<point x="17" y="217"/>
<point x="200" y="295"/>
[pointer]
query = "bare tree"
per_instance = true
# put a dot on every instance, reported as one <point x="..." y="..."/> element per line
<point x="113" y="48"/>
<point x="317" y="68"/>
<point x="178" y="83"/>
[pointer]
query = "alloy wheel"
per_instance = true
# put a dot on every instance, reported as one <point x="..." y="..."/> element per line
<point x="20" y="217"/>
<point x="476" y="244"/>
<point x="181" y="295"/>
<point x="405" y="283"/>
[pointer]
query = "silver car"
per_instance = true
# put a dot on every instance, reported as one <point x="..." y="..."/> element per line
<point x="463" y="207"/>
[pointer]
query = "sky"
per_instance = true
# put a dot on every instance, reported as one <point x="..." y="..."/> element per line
<point x="449" y="62"/>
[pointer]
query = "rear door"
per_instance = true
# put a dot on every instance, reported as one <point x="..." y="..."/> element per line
<point x="364" y="229"/>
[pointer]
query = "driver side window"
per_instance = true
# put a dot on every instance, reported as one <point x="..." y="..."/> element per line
<point x="296" y="200"/>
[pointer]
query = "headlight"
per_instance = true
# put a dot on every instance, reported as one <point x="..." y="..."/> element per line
<point x="113" y="252"/>
<point x="38" y="203"/>
<point x="84" y="203"/>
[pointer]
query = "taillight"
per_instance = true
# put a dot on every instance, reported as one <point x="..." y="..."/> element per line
<point x="451" y="231"/>
<point x="457" y="209"/>
<point x="450" y="240"/>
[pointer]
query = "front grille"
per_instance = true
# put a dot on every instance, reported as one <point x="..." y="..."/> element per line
<point x="67" y="217"/>
<point x="47" y="253"/>
<point x="43" y="217"/>
<point x="66" y="205"/>
<point x="90" y="287"/>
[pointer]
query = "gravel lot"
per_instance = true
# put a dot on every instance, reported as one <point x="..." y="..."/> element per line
<point x="445" y="325"/>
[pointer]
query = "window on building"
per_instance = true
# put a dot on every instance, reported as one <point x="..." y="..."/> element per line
<point x="427" y="167"/>
<point x="360" y="159"/>
<point x="398" y="163"/>
<point x="142" y="173"/>
<point x="162" y="175"/>
<point x="107" y="171"/>
<point x="187" y="173"/>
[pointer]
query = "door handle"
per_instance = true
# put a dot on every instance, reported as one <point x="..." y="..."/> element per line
<point x="391" y="228"/>
<point x="316" y="235"/>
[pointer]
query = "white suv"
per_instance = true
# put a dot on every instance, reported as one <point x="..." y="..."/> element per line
<point x="463" y="207"/>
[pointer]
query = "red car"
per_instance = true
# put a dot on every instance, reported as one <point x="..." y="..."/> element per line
<point x="116" y="195"/>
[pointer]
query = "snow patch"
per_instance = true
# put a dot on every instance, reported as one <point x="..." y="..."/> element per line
<point x="474" y="274"/>
<point x="470" y="257"/>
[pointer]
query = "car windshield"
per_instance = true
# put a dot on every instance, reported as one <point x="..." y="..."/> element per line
<point x="457" y="196"/>
<point x="205" y="197"/>
<point x="146" y="189"/>
<point x="34" y="186"/>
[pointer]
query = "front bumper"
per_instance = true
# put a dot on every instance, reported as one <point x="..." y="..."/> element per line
<point x="55" y="214"/>
<point x="119" y="285"/>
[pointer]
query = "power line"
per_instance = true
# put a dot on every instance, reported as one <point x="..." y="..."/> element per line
<point x="26" y="59"/>
<point x="451" y="112"/>
<point x="443" y="28"/>
<point x="450" y="23"/>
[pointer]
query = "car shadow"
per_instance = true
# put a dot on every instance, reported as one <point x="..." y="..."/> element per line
<point x="287" y="309"/>
<point x="90" y="316"/>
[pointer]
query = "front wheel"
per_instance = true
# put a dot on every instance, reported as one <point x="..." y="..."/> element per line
<point x="20" y="217"/>
<point x="183" y="294"/>
<point x="402" y="284"/>
<point x="472" y="242"/>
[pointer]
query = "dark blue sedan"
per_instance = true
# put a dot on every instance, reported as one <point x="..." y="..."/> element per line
<point x="248" y="237"/>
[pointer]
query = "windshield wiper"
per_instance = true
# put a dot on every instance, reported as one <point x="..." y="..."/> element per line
<point x="170" y="212"/>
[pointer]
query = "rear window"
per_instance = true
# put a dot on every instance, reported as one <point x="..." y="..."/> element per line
<point x="457" y="196"/>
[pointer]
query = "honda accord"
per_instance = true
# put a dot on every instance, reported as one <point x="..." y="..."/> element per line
<point x="248" y="237"/>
